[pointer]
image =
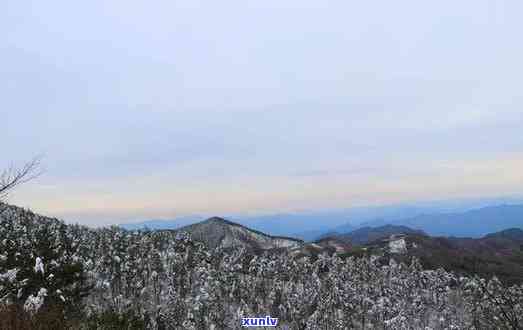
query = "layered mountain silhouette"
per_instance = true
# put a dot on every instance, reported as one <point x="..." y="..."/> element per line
<point x="473" y="223"/>
<point x="310" y="227"/>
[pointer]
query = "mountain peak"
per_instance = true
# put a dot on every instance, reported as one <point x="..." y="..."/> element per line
<point x="217" y="219"/>
<point x="217" y="232"/>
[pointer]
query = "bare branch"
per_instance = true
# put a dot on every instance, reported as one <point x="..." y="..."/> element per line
<point x="13" y="177"/>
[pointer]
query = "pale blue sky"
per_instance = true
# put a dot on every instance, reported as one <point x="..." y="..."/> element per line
<point x="164" y="108"/>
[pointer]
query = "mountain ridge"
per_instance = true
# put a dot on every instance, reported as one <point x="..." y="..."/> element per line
<point x="312" y="226"/>
<point x="471" y="223"/>
<point x="369" y="234"/>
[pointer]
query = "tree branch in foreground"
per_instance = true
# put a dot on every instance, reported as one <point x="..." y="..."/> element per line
<point x="13" y="176"/>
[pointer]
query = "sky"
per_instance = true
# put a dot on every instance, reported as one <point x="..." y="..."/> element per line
<point x="158" y="109"/>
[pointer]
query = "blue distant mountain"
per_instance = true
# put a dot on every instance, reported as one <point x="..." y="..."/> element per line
<point x="452" y="218"/>
<point x="310" y="225"/>
<point x="473" y="223"/>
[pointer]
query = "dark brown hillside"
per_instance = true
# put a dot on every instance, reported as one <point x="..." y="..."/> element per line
<point x="499" y="254"/>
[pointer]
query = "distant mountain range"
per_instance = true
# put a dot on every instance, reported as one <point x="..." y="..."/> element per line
<point x="312" y="226"/>
<point x="473" y="223"/>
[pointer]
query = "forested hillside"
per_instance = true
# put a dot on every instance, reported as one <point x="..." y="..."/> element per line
<point x="498" y="254"/>
<point x="58" y="276"/>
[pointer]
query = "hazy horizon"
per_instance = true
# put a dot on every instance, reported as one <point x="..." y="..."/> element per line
<point x="162" y="109"/>
<point x="336" y="216"/>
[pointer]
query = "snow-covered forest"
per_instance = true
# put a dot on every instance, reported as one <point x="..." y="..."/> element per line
<point x="54" y="275"/>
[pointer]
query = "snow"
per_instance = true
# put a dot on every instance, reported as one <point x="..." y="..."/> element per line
<point x="33" y="303"/>
<point x="10" y="275"/>
<point x="398" y="246"/>
<point x="39" y="265"/>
